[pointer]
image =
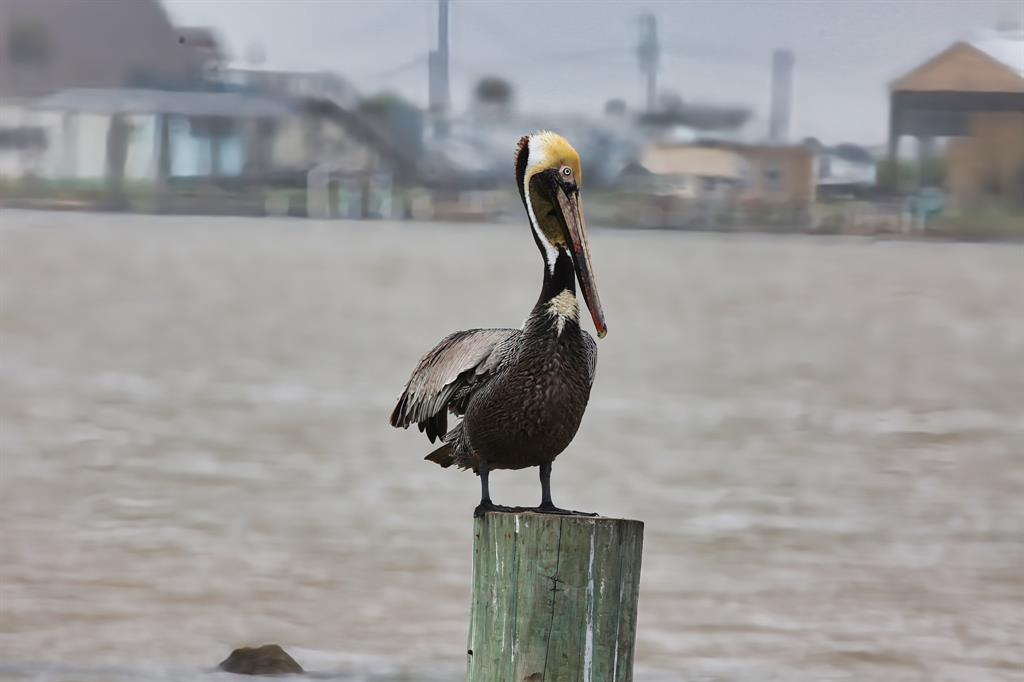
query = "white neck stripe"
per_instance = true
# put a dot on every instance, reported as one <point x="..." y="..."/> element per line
<point x="550" y="252"/>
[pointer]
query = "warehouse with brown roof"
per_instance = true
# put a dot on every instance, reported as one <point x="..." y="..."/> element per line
<point x="972" y="92"/>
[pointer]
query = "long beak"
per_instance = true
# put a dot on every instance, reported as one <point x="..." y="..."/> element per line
<point x="572" y="213"/>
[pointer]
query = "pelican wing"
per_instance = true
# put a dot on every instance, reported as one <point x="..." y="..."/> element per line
<point x="447" y="375"/>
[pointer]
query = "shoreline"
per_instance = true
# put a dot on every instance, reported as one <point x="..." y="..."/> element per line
<point x="931" y="235"/>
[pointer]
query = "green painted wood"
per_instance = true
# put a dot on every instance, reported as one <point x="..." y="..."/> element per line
<point x="554" y="598"/>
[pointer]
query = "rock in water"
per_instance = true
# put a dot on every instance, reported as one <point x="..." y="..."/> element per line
<point x="269" y="659"/>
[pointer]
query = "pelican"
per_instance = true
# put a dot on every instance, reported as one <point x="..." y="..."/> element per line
<point x="521" y="393"/>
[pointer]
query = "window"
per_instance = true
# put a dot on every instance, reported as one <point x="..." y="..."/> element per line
<point x="771" y="179"/>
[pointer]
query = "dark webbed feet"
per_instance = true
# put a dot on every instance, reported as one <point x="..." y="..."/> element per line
<point x="488" y="506"/>
<point x="546" y="505"/>
<point x="485" y="497"/>
<point x="548" y="508"/>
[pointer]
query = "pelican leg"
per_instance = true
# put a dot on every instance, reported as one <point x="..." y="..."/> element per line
<point x="546" y="505"/>
<point x="485" y="496"/>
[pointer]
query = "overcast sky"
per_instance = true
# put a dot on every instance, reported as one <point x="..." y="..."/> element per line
<point x="573" y="56"/>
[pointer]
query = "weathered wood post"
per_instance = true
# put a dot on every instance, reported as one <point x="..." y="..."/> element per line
<point x="554" y="598"/>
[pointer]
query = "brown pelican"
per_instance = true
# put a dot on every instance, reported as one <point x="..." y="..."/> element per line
<point x="521" y="392"/>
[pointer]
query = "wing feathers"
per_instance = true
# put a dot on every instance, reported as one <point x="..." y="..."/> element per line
<point x="450" y="368"/>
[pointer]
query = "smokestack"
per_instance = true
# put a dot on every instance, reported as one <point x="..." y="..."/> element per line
<point x="782" y="95"/>
<point x="648" y="52"/>
<point x="437" y="65"/>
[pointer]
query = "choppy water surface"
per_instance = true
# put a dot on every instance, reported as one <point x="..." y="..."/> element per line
<point x="824" y="437"/>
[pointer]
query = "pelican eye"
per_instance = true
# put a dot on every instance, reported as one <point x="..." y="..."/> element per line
<point x="566" y="171"/>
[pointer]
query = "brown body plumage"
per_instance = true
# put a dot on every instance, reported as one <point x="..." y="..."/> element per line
<point x="521" y="393"/>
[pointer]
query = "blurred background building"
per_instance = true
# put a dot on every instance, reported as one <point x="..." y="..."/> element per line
<point x="111" y="105"/>
<point x="972" y="92"/>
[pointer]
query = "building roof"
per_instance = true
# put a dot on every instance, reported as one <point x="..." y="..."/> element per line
<point x="136" y="101"/>
<point x="298" y="84"/>
<point x="994" y="63"/>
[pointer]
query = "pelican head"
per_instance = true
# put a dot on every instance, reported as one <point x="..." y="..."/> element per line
<point x="549" y="179"/>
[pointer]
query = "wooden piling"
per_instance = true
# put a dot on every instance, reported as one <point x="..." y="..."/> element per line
<point x="554" y="598"/>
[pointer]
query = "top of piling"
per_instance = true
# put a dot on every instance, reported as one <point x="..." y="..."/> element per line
<point x="572" y="518"/>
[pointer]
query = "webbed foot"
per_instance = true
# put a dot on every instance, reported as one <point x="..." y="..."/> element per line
<point x="488" y="506"/>
<point x="548" y="508"/>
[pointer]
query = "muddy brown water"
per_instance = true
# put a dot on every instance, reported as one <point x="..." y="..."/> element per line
<point x="825" y="438"/>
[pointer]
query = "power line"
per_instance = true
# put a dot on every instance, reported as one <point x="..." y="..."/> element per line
<point x="419" y="60"/>
<point x="399" y="13"/>
<point x="526" y="49"/>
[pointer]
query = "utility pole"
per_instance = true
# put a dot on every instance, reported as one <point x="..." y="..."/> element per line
<point x="648" y="53"/>
<point x="439" y="90"/>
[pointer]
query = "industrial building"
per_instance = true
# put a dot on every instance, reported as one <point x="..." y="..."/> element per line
<point x="972" y="92"/>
